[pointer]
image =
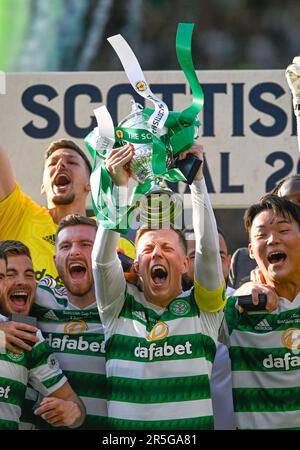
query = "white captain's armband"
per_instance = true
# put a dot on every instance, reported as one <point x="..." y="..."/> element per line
<point x="210" y="301"/>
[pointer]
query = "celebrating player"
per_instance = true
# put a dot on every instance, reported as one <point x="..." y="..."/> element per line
<point x="160" y="341"/>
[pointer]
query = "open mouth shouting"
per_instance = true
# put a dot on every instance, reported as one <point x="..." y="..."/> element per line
<point x="61" y="182"/>
<point x="77" y="270"/>
<point x="276" y="257"/>
<point x="18" y="299"/>
<point x="159" y="274"/>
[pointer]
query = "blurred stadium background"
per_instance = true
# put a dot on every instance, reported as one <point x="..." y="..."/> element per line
<point x="70" y="35"/>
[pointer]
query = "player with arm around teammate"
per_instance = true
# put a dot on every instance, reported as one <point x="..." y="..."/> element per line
<point x="61" y="405"/>
<point x="69" y="318"/>
<point x="264" y="345"/>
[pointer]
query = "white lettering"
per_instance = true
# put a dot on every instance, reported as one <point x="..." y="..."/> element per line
<point x="168" y="349"/>
<point x="119" y="440"/>
<point x="295" y="361"/>
<point x="278" y="363"/>
<point x="268" y="362"/>
<point x="4" y="391"/>
<point x="146" y="136"/>
<point x="188" y="347"/>
<point x="94" y="346"/>
<point x="287" y="358"/>
<point x="155" y="351"/>
<point x="63" y="342"/>
<point x="151" y="350"/>
<point x="137" y="351"/>
<point x="82" y="345"/>
<point x="143" y="352"/>
<point x="281" y="363"/>
<point x="133" y="135"/>
<point x="72" y="344"/>
<point x="179" y="349"/>
<point x="159" y="352"/>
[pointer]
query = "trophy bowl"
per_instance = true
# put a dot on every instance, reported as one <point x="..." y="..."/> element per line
<point x="160" y="206"/>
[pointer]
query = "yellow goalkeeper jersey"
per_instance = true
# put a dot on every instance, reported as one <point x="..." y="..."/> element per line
<point x="24" y="220"/>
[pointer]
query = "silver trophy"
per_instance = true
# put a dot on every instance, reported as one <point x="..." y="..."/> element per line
<point x="160" y="206"/>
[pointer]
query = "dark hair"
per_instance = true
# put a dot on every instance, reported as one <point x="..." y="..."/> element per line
<point x="3" y="256"/>
<point x="277" y="188"/>
<point x="144" y="229"/>
<point x="278" y="205"/>
<point x="73" y="220"/>
<point x="221" y="232"/>
<point x="65" y="143"/>
<point x="11" y="247"/>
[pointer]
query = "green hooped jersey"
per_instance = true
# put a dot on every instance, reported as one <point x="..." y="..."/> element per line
<point x="265" y="358"/>
<point x="159" y="361"/>
<point x="75" y="336"/>
<point x="39" y="367"/>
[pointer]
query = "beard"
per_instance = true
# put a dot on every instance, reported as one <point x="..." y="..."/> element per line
<point x="79" y="291"/>
<point x="63" y="200"/>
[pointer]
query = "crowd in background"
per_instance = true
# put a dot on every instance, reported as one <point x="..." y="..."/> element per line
<point x="229" y="34"/>
<point x="139" y="316"/>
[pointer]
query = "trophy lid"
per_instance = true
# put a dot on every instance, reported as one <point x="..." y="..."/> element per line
<point x="134" y="118"/>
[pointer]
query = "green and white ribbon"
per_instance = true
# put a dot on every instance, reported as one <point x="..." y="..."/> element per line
<point x="182" y="126"/>
<point x="158" y="117"/>
<point x="137" y="79"/>
<point x="100" y="141"/>
<point x="109" y="207"/>
<point x="184" y="55"/>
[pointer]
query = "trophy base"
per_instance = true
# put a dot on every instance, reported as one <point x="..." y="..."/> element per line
<point x="161" y="208"/>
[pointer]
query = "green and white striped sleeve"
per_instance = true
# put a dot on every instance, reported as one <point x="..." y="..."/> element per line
<point x="45" y="374"/>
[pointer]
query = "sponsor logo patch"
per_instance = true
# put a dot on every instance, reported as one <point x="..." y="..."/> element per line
<point x="158" y="332"/>
<point x="160" y="351"/>
<point x="291" y="338"/>
<point x="50" y="315"/>
<point x="286" y="363"/>
<point x="78" y="326"/>
<point x="263" y="325"/>
<point x="80" y="344"/>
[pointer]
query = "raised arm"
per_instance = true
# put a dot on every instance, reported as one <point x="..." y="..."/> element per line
<point x="292" y="74"/>
<point x="108" y="274"/>
<point x="109" y="278"/>
<point x="7" y="177"/>
<point x="209" y="283"/>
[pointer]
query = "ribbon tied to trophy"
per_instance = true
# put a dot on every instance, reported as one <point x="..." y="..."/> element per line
<point x="158" y="136"/>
